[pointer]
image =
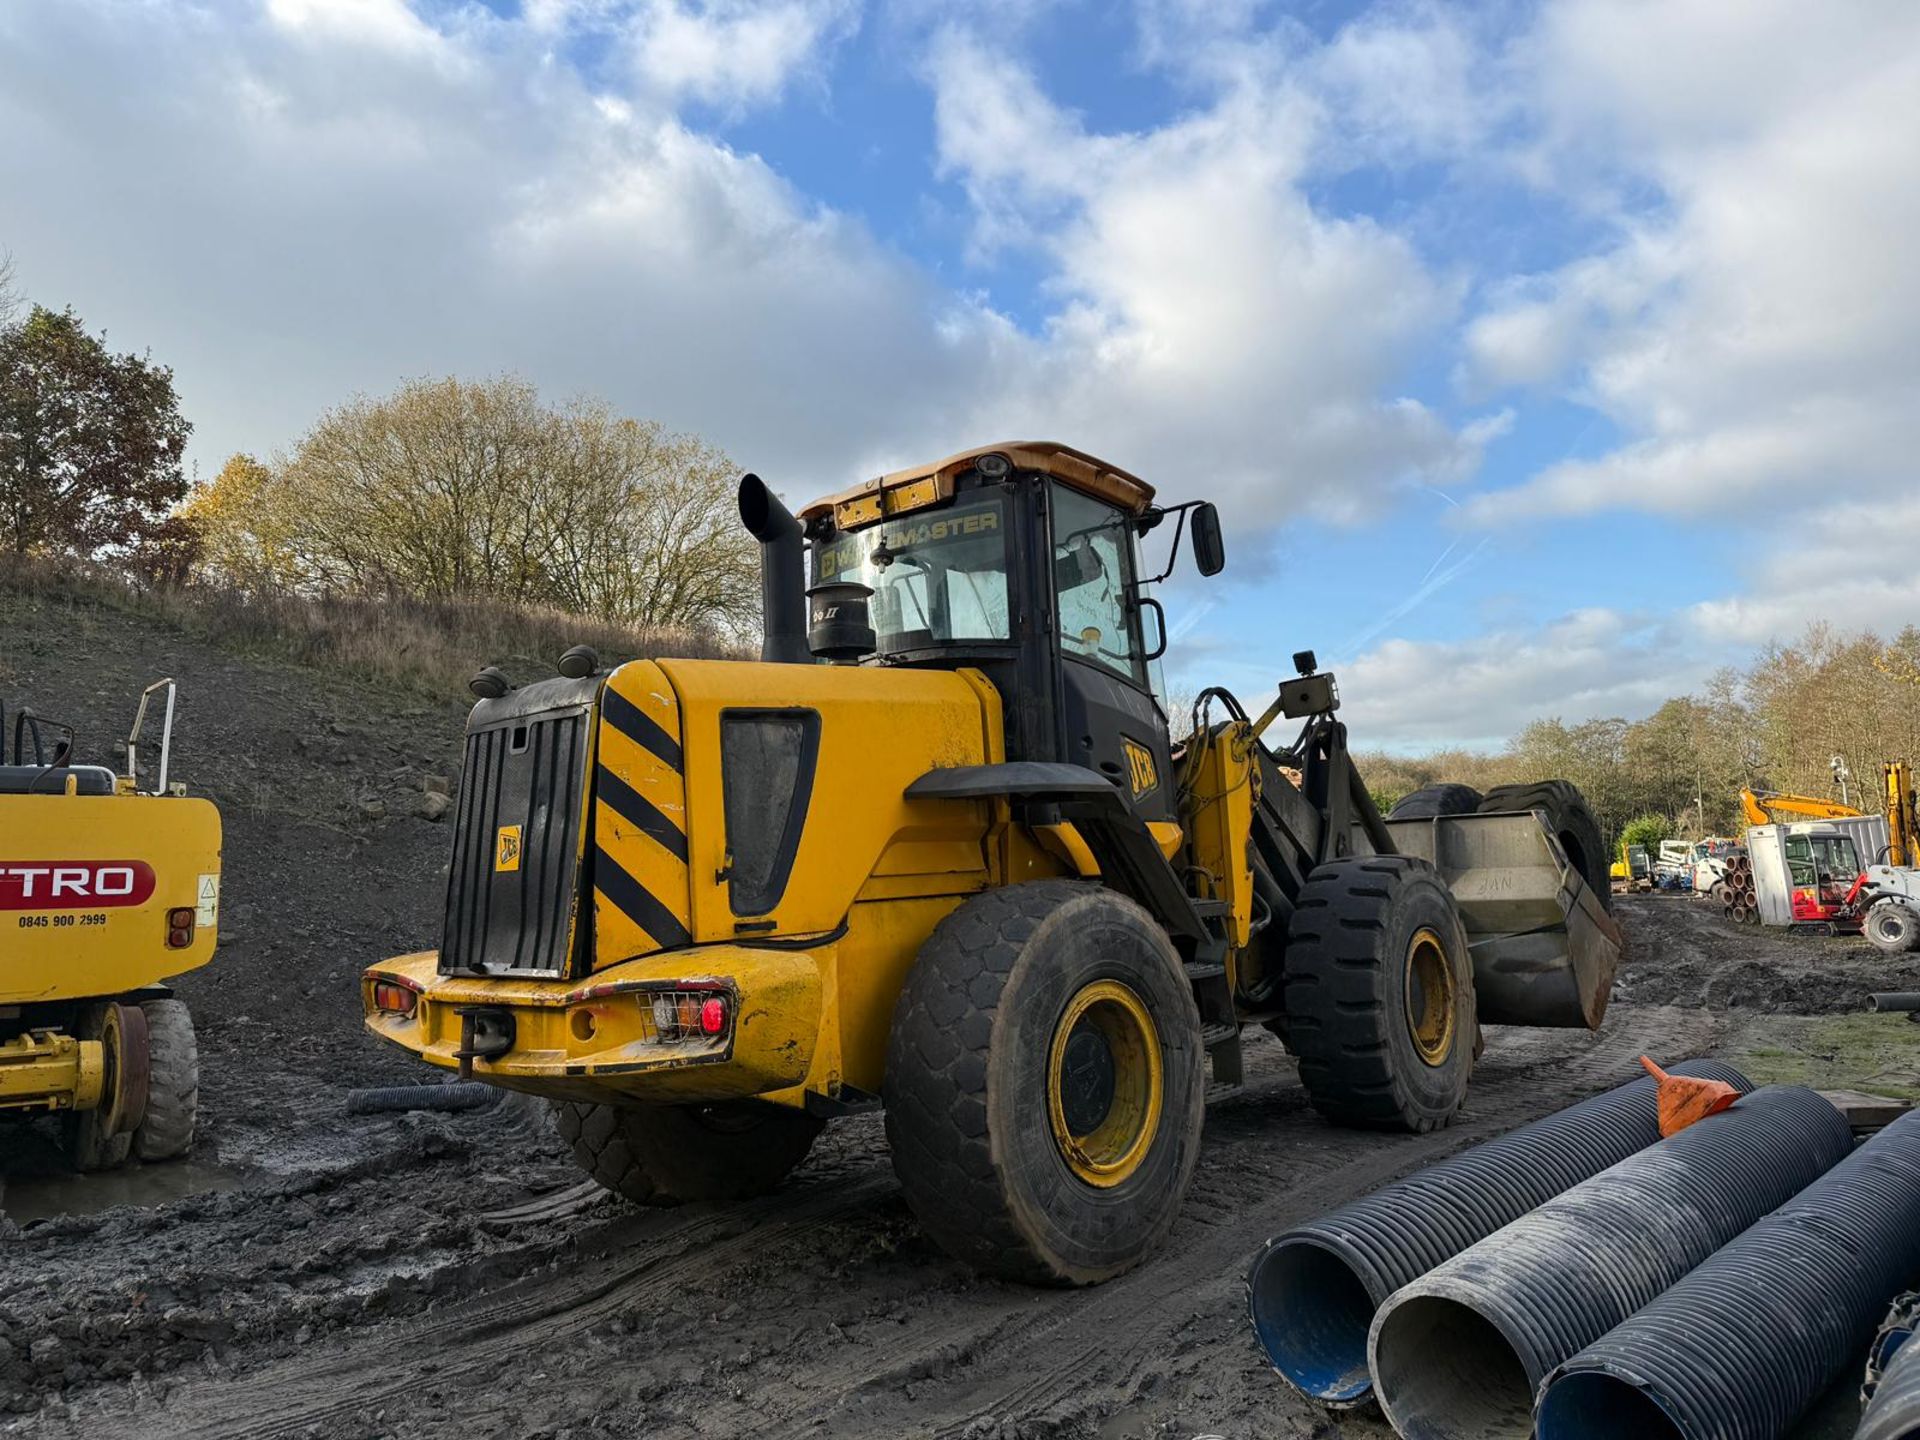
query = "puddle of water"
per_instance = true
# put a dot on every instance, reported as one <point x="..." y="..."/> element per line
<point x="41" y="1197"/>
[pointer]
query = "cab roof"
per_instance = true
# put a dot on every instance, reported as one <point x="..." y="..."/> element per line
<point x="919" y="486"/>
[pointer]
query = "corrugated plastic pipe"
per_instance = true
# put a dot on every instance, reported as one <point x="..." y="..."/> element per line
<point x="1740" y="1348"/>
<point x="1313" y="1290"/>
<point x="1462" y="1351"/>
<point x="1894" y="1413"/>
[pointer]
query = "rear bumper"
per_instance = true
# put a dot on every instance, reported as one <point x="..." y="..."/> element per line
<point x="49" y="1070"/>
<point x="596" y="1039"/>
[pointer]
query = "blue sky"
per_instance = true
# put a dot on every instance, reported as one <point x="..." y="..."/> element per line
<point x="1543" y="357"/>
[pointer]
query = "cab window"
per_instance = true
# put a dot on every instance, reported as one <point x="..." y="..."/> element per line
<point x="1092" y="573"/>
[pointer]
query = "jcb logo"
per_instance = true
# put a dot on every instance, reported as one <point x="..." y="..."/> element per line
<point x="506" y="848"/>
<point x="74" y="884"/>
<point x="1140" y="768"/>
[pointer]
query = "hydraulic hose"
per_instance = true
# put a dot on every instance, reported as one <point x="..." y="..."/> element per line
<point x="1313" y="1290"/>
<point x="1463" y="1350"/>
<point x="1740" y="1348"/>
<point x="391" y="1099"/>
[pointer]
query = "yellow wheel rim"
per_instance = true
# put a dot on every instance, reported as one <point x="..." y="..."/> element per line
<point x="1105" y="1085"/>
<point x="1430" y="997"/>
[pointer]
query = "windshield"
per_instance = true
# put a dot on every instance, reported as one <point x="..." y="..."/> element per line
<point x="1814" y="858"/>
<point x="937" y="577"/>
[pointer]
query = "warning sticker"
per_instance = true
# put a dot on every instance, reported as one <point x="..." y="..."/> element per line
<point x="206" y="913"/>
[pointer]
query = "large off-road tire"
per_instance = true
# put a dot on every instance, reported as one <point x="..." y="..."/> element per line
<point x="674" y="1154"/>
<point x="1892" y="926"/>
<point x="1045" y="1083"/>
<point x="173" y="1084"/>
<point x="101" y="1138"/>
<point x="1571" y="821"/>
<point x="1380" y="1002"/>
<point x="1432" y="800"/>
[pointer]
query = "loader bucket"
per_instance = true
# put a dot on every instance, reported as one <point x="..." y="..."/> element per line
<point x="1544" y="947"/>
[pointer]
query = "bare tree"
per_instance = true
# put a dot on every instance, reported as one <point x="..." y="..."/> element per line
<point x="453" y="490"/>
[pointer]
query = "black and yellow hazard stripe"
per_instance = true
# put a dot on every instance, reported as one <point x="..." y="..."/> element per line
<point x="641" y="891"/>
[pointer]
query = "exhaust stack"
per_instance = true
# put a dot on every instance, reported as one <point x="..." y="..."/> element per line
<point x="783" y="581"/>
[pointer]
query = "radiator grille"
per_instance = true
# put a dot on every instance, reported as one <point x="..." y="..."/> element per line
<point x="514" y="884"/>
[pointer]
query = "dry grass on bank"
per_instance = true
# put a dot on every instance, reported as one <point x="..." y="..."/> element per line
<point x="427" y="646"/>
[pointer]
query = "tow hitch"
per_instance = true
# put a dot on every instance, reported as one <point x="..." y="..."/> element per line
<point x="486" y="1033"/>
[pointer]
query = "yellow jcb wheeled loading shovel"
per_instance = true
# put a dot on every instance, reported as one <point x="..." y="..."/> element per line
<point x="938" y="852"/>
<point x="107" y="889"/>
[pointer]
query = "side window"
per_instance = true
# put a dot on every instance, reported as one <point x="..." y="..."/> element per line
<point x="1800" y="860"/>
<point x="767" y="760"/>
<point x="1092" y="569"/>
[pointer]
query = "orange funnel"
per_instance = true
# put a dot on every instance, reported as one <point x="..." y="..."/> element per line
<point x="1684" y="1100"/>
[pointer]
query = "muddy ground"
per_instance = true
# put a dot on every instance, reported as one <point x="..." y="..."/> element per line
<point x="449" y="1276"/>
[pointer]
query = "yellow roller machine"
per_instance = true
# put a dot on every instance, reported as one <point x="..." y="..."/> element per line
<point x="939" y="851"/>
<point x="109" y="885"/>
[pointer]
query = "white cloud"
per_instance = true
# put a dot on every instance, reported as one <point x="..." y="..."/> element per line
<point x="291" y="202"/>
<point x="1751" y="334"/>
<point x="288" y="217"/>
<point x="1832" y="568"/>
<point x="1480" y="690"/>
<point x="1210" y="324"/>
<point x="378" y="24"/>
<point x="732" y="51"/>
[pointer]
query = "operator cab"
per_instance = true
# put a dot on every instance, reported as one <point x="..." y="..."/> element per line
<point x="1023" y="561"/>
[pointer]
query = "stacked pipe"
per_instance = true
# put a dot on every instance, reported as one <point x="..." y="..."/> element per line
<point x="1742" y="1346"/>
<point x="1894" y="1411"/>
<point x="1463" y="1350"/>
<point x="1312" y="1292"/>
<point x="1734" y="891"/>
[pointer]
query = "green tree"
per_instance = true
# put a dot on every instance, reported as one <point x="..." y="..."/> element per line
<point x="1647" y="830"/>
<point x="90" y="442"/>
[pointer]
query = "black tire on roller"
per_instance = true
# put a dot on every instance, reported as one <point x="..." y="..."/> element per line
<point x="1570" y="819"/>
<point x="1380" y="1000"/>
<point x="90" y="1145"/>
<point x="1892" y="927"/>
<point x="173" y="1083"/>
<point x="672" y="1154"/>
<point x="982" y="1067"/>
<point x="1432" y="800"/>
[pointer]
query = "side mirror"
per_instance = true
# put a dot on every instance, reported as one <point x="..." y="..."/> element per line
<point x="1209" y="549"/>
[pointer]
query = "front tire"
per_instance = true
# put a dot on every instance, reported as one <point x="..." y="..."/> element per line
<point x="1893" y="927"/>
<point x="173" y="1084"/>
<point x="1380" y="1002"/>
<point x="1045" y="1082"/>
<point x="673" y="1154"/>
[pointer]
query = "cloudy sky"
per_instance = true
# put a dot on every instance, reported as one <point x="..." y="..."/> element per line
<point x="1542" y="357"/>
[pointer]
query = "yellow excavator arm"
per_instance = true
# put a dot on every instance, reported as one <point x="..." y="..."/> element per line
<point x="1903" y="835"/>
<point x="1763" y="806"/>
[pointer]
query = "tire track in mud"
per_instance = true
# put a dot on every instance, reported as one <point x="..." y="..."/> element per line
<point x="611" y="1274"/>
<point x="1104" y="1336"/>
<point x="967" y="1354"/>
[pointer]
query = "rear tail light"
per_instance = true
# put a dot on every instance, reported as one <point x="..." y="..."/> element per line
<point x="689" y="1015"/>
<point x="180" y="927"/>
<point x="393" y="999"/>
